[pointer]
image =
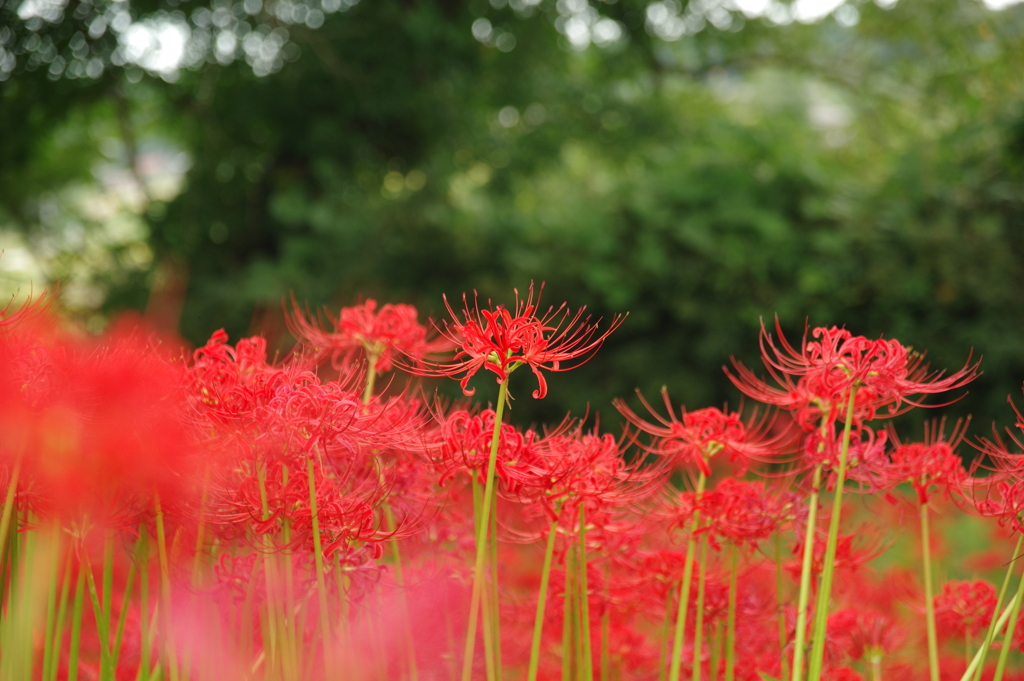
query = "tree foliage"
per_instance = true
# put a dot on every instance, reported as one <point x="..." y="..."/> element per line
<point x="696" y="166"/>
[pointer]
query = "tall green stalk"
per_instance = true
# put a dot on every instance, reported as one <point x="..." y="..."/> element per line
<point x="485" y="597"/>
<point x="542" y="599"/>
<point x="730" y="632"/>
<point x="165" y="589"/>
<point x="1000" y="623"/>
<point x="929" y="604"/>
<point x="76" y="626"/>
<point x="990" y="635"/>
<point x="481" y="538"/>
<point x="684" y="591"/>
<point x="321" y="584"/>
<point x="588" y="657"/>
<point x="825" y="587"/>
<point x="781" y="606"/>
<point x="804" y="598"/>
<point x="716" y="652"/>
<point x="495" y="597"/>
<point x="8" y="512"/>
<point x="1011" y="625"/>
<point x="698" y="627"/>
<point x="144" y="645"/>
<point x="51" y="602"/>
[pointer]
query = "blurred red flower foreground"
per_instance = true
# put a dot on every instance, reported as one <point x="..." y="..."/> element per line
<point x="228" y="516"/>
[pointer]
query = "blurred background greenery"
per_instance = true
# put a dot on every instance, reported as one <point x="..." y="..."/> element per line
<point x="701" y="164"/>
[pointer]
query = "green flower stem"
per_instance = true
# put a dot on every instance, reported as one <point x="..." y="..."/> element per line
<point x="684" y="592"/>
<point x="588" y="658"/>
<point x="991" y="634"/>
<point x="976" y="660"/>
<point x="371" y="376"/>
<point x="119" y="636"/>
<point x="289" y="622"/>
<point x="730" y="632"/>
<point x="51" y="602"/>
<point x="805" y="577"/>
<point x="144" y="645"/>
<point x="5" y="520"/>
<point x="481" y="538"/>
<point x="485" y="598"/>
<point x="108" y="576"/>
<point x="1008" y="637"/>
<point x="698" y="628"/>
<point x="76" y="626"/>
<point x="568" y="617"/>
<point x="269" y="577"/>
<point x="577" y="613"/>
<point x="542" y="599"/>
<point x="165" y="589"/>
<point x="18" y="620"/>
<point x="495" y="601"/>
<point x="716" y="652"/>
<point x="825" y="586"/>
<point x="929" y="604"/>
<point x="58" y="629"/>
<point x="101" y="631"/>
<point x="321" y="585"/>
<point x="781" y="605"/>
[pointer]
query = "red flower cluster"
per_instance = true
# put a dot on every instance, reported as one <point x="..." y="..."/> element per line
<point x="308" y="525"/>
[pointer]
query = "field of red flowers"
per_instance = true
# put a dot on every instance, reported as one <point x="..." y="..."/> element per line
<point x="228" y="515"/>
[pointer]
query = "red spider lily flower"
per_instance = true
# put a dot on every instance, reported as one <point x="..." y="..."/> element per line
<point x="501" y="340"/>
<point x="228" y="384"/>
<point x="852" y="551"/>
<point x="865" y="634"/>
<point x="28" y="309"/>
<point x="99" y="425"/>
<point x="930" y="463"/>
<point x="740" y="512"/>
<point x="964" y="607"/>
<point x="579" y="467"/>
<point x="1005" y="465"/>
<point x="694" y="437"/>
<point x="867" y="457"/>
<point x="363" y="330"/>
<point x="1002" y="500"/>
<point x="465" y="446"/>
<point x="816" y="380"/>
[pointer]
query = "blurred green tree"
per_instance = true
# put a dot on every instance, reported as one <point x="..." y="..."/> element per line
<point x="701" y="165"/>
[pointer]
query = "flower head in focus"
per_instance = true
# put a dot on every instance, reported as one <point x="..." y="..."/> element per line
<point x="816" y="381"/>
<point x="501" y="340"/>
